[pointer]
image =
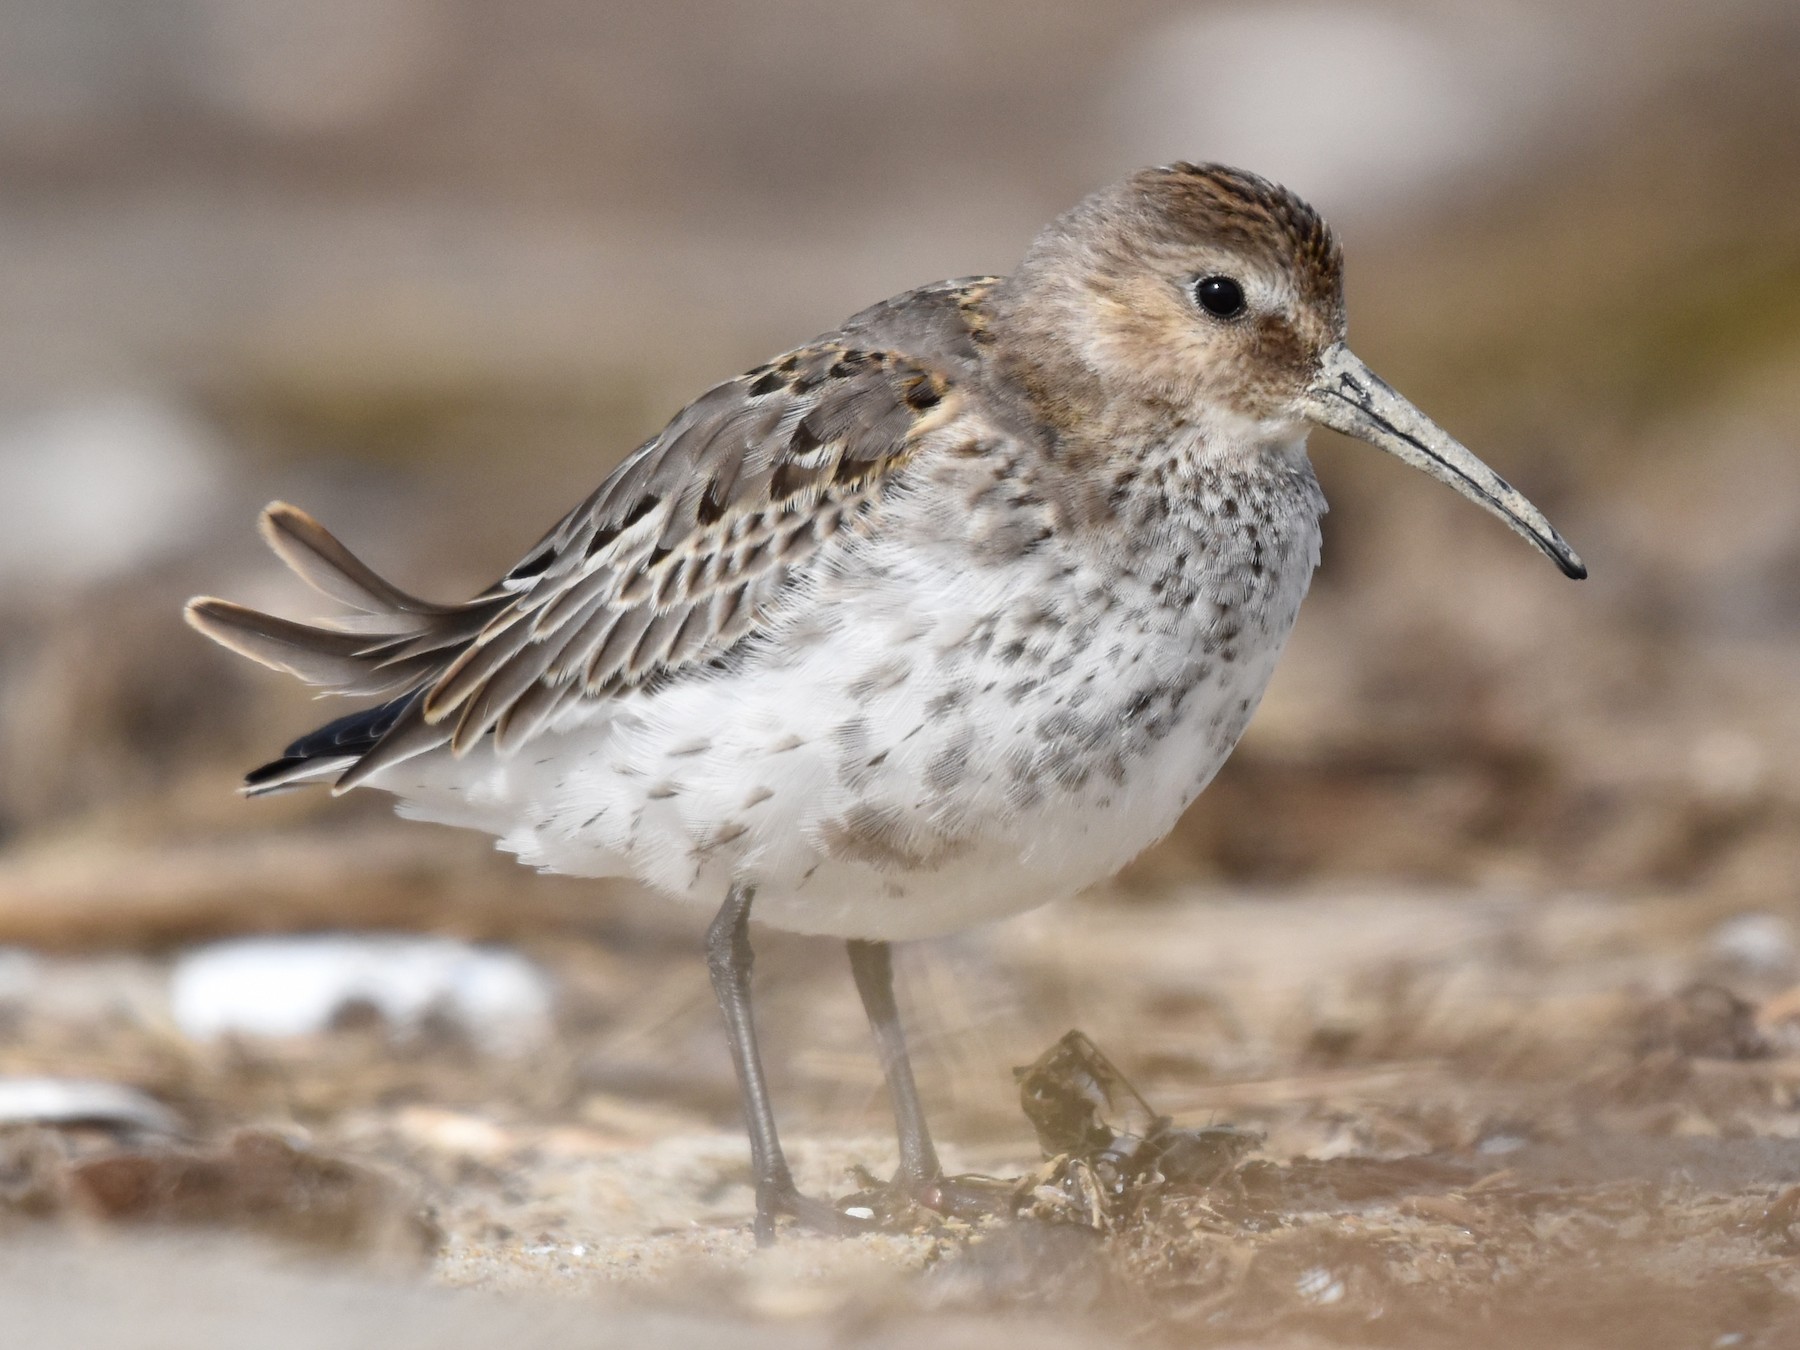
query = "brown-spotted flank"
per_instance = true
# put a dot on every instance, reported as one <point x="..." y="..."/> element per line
<point x="943" y="615"/>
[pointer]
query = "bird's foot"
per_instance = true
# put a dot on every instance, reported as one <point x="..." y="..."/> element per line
<point x="784" y="1200"/>
<point x="906" y="1204"/>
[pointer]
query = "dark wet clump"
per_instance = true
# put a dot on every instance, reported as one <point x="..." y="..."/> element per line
<point x="1102" y="1141"/>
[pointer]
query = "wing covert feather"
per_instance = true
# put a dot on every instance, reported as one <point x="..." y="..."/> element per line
<point x="672" y="561"/>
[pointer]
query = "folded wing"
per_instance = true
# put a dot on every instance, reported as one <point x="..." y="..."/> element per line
<point x="669" y="565"/>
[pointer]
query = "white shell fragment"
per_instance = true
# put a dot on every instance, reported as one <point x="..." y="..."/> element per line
<point x="298" y="986"/>
<point x="1319" y="1285"/>
<point x="79" y="1101"/>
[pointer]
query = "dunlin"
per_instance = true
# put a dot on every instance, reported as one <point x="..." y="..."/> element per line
<point x="943" y="615"/>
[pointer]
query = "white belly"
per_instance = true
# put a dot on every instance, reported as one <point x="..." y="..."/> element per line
<point x="901" y="756"/>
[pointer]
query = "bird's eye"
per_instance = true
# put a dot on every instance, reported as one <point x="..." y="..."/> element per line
<point x="1221" y="297"/>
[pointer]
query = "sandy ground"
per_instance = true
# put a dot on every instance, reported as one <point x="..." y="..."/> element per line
<point x="1482" y="1117"/>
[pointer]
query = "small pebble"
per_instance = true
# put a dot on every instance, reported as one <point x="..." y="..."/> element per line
<point x="1758" y="942"/>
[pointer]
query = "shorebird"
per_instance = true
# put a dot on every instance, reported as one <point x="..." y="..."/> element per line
<point x="945" y="614"/>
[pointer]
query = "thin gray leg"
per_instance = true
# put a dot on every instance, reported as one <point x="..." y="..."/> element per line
<point x="872" y="964"/>
<point x="729" y="959"/>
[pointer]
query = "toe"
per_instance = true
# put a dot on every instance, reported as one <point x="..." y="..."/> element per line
<point x="813" y="1215"/>
<point x="965" y="1197"/>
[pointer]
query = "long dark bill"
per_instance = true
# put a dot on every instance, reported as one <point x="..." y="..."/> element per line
<point x="1349" y="397"/>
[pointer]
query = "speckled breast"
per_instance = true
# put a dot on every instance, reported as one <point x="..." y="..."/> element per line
<point x="931" y="734"/>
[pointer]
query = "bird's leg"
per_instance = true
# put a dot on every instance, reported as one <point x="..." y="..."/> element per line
<point x="872" y="963"/>
<point x="921" y="1177"/>
<point x="729" y="959"/>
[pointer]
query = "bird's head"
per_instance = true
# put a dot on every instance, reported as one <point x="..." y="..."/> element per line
<point x="1212" y="300"/>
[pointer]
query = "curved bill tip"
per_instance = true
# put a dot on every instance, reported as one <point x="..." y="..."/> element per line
<point x="1550" y="541"/>
<point x="1349" y="397"/>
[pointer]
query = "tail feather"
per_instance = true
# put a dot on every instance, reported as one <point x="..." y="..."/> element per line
<point x="316" y="655"/>
<point x="457" y="629"/>
<point x="395" y="645"/>
<point x="318" y="559"/>
<point x="327" y="751"/>
<point x="410" y="735"/>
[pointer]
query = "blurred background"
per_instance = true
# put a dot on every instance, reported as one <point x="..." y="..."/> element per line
<point x="430" y="268"/>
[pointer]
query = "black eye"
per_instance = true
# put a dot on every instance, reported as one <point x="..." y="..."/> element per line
<point x="1220" y="296"/>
